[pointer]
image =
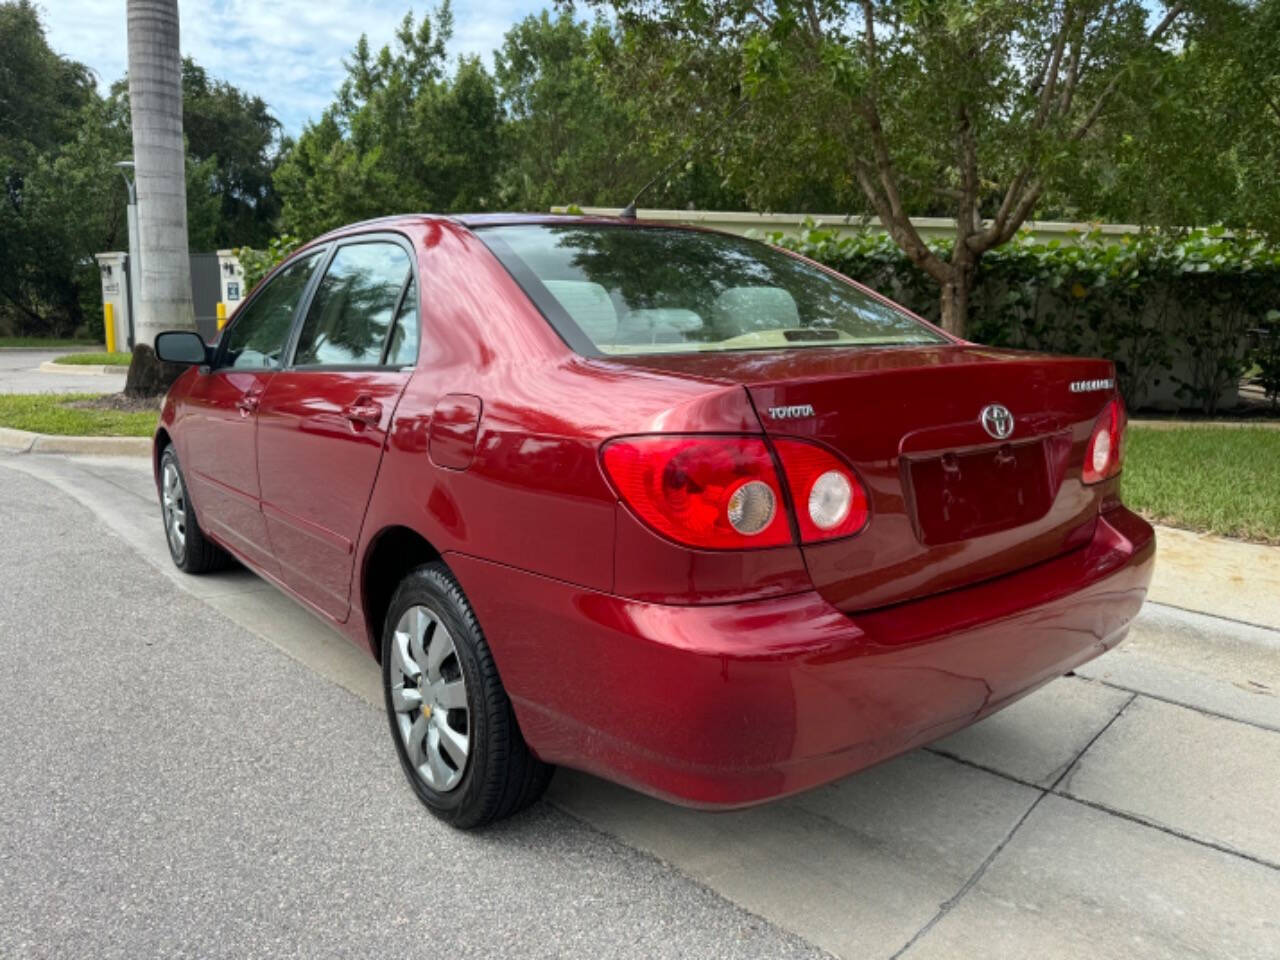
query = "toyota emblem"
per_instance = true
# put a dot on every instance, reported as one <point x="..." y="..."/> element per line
<point x="997" y="421"/>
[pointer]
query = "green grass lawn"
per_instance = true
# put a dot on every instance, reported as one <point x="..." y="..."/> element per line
<point x="95" y="359"/>
<point x="46" y="342"/>
<point x="48" y="413"/>
<point x="1214" y="479"/>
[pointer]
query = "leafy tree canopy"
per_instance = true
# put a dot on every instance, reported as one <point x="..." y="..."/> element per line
<point x="64" y="200"/>
<point x="403" y="134"/>
<point x="972" y="109"/>
<point x="1193" y="136"/>
<point x="574" y="129"/>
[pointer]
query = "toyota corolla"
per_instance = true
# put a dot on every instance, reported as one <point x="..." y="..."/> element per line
<point x="667" y="505"/>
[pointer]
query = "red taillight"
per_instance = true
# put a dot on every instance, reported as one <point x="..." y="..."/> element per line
<point x="711" y="492"/>
<point x="719" y="492"/>
<point x="1104" y="454"/>
<point x="830" y="501"/>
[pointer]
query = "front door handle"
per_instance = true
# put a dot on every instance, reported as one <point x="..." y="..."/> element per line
<point x="247" y="404"/>
<point x="365" y="411"/>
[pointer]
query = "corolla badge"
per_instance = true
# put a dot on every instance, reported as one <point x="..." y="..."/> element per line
<point x="1089" y="386"/>
<point x="997" y="420"/>
<point x="791" y="412"/>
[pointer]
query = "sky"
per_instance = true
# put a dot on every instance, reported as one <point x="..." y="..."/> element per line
<point x="289" y="52"/>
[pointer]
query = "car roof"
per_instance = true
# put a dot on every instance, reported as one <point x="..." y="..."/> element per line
<point x="504" y="219"/>
<point x="474" y="220"/>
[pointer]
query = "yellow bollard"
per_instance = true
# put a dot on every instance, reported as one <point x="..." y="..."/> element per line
<point x="109" y="324"/>
<point x="222" y="314"/>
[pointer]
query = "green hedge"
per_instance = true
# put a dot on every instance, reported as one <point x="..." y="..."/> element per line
<point x="1183" y="310"/>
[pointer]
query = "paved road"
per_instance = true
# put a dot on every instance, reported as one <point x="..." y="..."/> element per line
<point x="1128" y="812"/>
<point x="173" y="786"/>
<point x="20" y="373"/>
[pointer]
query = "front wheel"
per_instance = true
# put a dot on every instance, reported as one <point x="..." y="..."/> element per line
<point x="190" y="549"/>
<point x="453" y="726"/>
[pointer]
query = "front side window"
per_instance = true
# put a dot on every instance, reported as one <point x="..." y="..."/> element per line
<point x="626" y="290"/>
<point x="353" y="307"/>
<point x="257" y="337"/>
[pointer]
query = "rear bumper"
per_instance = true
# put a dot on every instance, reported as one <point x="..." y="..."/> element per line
<point x="733" y="704"/>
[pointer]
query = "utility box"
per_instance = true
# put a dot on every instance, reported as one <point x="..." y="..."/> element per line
<point x="217" y="284"/>
<point x="114" y="270"/>
<point x="232" y="275"/>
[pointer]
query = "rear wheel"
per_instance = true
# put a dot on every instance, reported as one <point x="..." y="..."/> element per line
<point x="454" y="729"/>
<point x="191" y="550"/>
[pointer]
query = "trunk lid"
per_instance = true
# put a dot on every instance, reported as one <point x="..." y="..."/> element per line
<point x="950" y="503"/>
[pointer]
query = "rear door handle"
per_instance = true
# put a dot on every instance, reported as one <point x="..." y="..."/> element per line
<point x="364" y="411"/>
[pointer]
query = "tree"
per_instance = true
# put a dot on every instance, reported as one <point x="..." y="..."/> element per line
<point x="567" y="135"/>
<point x="973" y="109"/>
<point x="155" y="99"/>
<point x="1194" y="134"/>
<point x="402" y="135"/>
<point x="233" y="147"/>
<point x="577" y="125"/>
<point x="63" y="200"/>
<point x="41" y="98"/>
<point x="238" y="133"/>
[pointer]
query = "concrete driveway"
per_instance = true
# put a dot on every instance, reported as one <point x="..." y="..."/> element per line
<point x="20" y="373"/>
<point x="1128" y="812"/>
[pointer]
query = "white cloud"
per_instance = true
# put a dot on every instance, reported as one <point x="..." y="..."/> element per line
<point x="289" y="52"/>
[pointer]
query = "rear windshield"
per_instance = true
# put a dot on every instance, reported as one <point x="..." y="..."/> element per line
<point x="627" y="290"/>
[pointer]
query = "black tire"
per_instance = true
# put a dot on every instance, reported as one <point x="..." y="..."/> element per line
<point x="194" y="553"/>
<point x="501" y="775"/>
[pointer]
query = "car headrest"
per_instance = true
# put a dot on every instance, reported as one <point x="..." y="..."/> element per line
<point x="657" y="325"/>
<point x="589" y="305"/>
<point x="743" y="309"/>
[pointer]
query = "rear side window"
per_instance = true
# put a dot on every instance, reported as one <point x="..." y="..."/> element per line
<point x="626" y="290"/>
<point x="257" y="337"/>
<point x="402" y="349"/>
<point x="353" y="307"/>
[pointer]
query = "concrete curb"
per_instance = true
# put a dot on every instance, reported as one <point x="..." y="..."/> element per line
<point x="24" y="441"/>
<point x="86" y="348"/>
<point x="93" y="369"/>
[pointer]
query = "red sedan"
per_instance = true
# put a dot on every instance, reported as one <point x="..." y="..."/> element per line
<point x="667" y="505"/>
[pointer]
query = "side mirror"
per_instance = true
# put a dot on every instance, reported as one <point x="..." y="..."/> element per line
<point x="181" y="346"/>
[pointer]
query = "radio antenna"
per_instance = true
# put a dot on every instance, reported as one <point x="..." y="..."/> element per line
<point x="629" y="211"/>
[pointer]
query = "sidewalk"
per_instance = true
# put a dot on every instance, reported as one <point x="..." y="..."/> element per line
<point x="1126" y="811"/>
<point x="1214" y="575"/>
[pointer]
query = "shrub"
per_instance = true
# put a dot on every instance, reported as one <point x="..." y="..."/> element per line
<point x="1266" y="356"/>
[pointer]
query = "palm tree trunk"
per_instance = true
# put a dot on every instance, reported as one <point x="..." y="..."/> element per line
<point x="159" y="156"/>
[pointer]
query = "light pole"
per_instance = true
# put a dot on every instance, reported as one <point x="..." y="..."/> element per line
<point x="135" y="264"/>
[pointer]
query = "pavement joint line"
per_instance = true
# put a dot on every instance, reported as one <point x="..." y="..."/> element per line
<point x="1113" y="811"/>
<point x="1215" y="616"/>
<point x="949" y="904"/>
<point x="1203" y="711"/>
<point x="963" y="761"/>
<point x="1171" y="831"/>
